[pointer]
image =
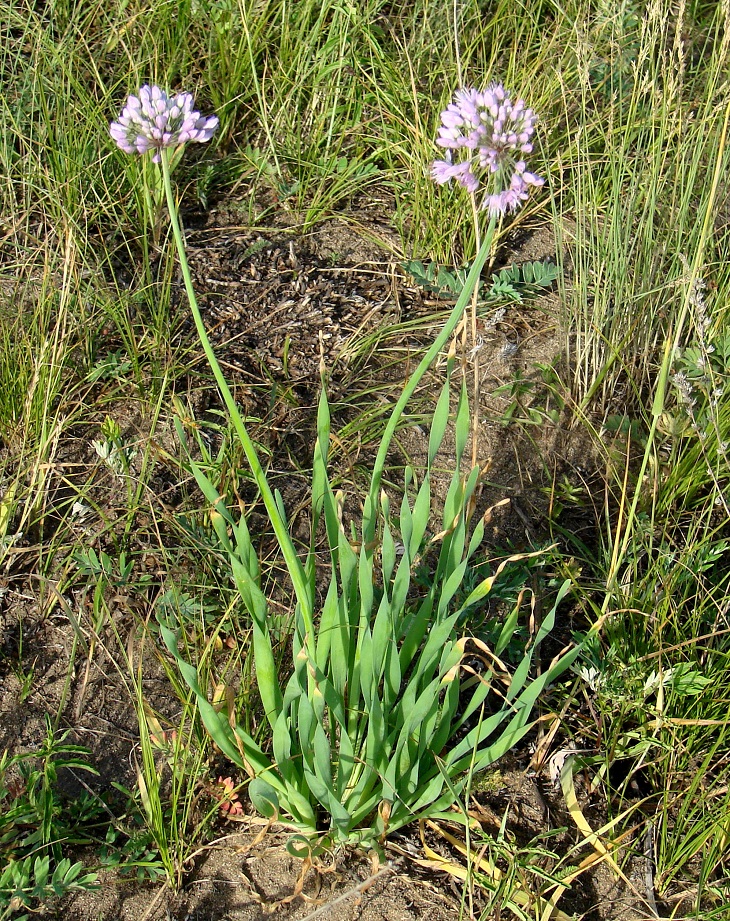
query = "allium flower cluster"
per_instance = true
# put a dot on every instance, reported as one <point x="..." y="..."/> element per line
<point x="488" y="133"/>
<point x="153" y="120"/>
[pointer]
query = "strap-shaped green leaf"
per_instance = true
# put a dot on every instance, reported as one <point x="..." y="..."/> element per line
<point x="453" y="502"/>
<point x="245" y="550"/>
<point x="508" y="630"/>
<point x="414" y="629"/>
<point x="426" y="733"/>
<point x="375" y="726"/>
<point x="300" y="846"/>
<point x="460" y="757"/>
<point x="220" y="516"/>
<point x="432" y="799"/>
<point x="370" y="505"/>
<point x="366" y="668"/>
<point x="267" y="676"/>
<point x="521" y="708"/>
<point x="264" y="798"/>
<point x="382" y="638"/>
<point x="392" y="675"/>
<point x="317" y="788"/>
<point x="477" y="536"/>
<point x="400" y="591"/>
<point x="342" y="653"/>
<point x="322" y="759"/>
<point x="430" y="655"/>
<point x="449" y="707"/>
<point x="522" y="672"/>
<point x="405" y="517"/>
<point x="347" y="560"/>
<point x="368" y="802"/>
<point x="366" y="583"/>
<point x="421" y="516"/>
<point x="387" y="546"/>
<point x="450" y="587"/>
<point x="304" y="727"/>
<point x="340" y="816"/>
<point x="413" y="721"/>
<point x="282" y="747"/>
<point x="328" y="624"/>
<point x="486" y="585"/>
<point x="462" y="425"/>
<point x="440" y="419"/>
<point x="320" y="482"/>
<point x="252" y="597"/>
<point x="346" y="760"/>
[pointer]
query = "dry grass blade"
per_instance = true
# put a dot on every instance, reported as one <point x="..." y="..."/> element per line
<point x="521" y="898"/>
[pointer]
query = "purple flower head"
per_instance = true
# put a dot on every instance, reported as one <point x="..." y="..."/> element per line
<point x="490" y="133"/>
<point x="153" y="120"/>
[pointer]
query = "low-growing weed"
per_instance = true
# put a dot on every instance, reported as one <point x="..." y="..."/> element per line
<point x="38" y="825"/>
<point x="535" y="400"/>
<point x="513" y="284"/>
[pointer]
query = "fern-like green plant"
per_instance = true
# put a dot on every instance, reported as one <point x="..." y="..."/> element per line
<point x="514" y="283"/>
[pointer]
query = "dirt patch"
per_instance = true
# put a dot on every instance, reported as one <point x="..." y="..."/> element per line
<point x="240" y="877"/>
<point x="234" y="883"/>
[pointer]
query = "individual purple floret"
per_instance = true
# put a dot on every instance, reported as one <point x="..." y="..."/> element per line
<point x="461" y="125"/>
<point x="511" y="199"/>
<point x="153" y="120"/>
<point x="444" y="170"/>
<point x="489" y="134"/>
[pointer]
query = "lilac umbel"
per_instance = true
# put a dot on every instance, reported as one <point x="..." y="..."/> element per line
<point x="153" y="120"/>
<point x="486" y="135"/>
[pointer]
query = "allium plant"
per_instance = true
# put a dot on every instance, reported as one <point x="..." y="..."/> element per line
<point x="486" y="137"/>
<point x="386" y="703"/>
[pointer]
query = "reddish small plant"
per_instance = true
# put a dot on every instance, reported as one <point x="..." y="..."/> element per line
<point x="229" y="804"/>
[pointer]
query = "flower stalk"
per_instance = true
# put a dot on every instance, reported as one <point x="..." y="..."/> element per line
<point x="294" y="565"/>
<point x="489" y="134"/>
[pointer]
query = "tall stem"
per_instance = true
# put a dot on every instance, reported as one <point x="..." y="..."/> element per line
<point x="294" y="564"/>
<point x="475" y="345"/>
<point x="472" y="281"/>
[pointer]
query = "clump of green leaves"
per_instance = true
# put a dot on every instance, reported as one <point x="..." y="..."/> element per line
<point x="30" y="882"/>
<point x="536" y="400"/>
<point x="129" y="845"/>
<point x="111" y="447"/>
<point x="381" y="716"/>
<point x="103" y="568"/>
<point x="113" y="366"/>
